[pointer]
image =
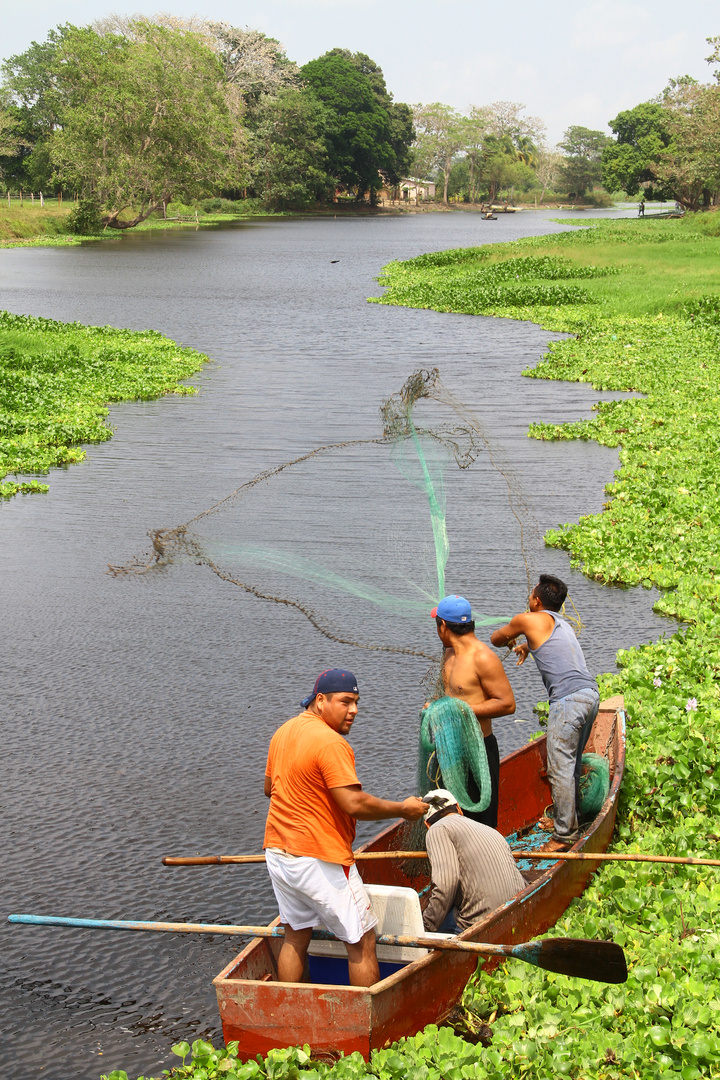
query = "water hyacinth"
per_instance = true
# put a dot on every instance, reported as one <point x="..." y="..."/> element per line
<point x="56" y="380"/>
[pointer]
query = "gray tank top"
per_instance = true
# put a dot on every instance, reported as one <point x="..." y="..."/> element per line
<point x="561" y="663"/>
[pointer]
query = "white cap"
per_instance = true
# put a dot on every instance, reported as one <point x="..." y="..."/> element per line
<point x="440" y="799"/>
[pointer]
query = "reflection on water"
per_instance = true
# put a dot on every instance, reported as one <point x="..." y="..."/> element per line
<point x="136" y="710"/>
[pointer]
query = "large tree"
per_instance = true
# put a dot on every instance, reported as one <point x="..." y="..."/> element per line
<point x="630" y="161"/>
<point x="399" y="115"/>
<point x="289" y="151"/>
<point x="581" y="168"/>
<point x="143" y="120"/>
<point x="358" y="135"/>
<point x="440" y="138"/>
<point x="690" y="165"/>
<point x="33" y="101"/>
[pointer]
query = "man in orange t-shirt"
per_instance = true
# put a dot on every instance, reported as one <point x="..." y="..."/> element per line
<point x="315" y="799"/>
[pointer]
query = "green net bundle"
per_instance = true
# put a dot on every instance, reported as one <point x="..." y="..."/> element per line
<point x="452" y="749"/>
<point x="594" y="785"/>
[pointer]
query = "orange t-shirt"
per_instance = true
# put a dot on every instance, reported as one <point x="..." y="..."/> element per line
<point x="306" y="759"/>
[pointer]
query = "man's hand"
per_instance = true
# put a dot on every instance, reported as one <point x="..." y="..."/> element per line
<point x="412" y="809"/>
<point x="522" y="652"/>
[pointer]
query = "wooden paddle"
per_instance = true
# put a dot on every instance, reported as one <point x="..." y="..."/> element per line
<point x="549" y="856"/>
<point x="601" y="961"/>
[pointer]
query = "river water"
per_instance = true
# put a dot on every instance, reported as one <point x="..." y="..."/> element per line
<point x="136" y="710"/>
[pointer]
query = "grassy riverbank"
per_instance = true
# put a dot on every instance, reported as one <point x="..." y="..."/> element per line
<point x="30" y="225"/>
<point x="56" y="380"/>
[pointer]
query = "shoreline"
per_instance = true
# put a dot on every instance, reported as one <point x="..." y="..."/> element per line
<point x="54" y="237"/>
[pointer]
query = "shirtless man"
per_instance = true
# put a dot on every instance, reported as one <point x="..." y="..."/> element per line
<point x="471" y="671"/>
<point x="573" y="694"/>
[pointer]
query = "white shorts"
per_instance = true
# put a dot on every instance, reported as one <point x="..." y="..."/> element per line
<point x="311" y="892"/>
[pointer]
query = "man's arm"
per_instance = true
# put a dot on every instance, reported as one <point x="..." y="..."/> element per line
<point x="359" y="804"/>
<point x="268" y="786"/>
<point x="506" y="635"/>
<point x="499" y="698"/>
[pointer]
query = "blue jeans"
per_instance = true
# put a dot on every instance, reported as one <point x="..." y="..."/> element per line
<point x="569" y="724"/>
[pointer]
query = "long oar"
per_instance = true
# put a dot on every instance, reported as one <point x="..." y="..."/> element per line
<point x="601" y="961"/>
<point x="549" y="856"/>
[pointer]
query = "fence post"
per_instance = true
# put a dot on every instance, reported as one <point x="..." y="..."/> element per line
<point x="32" y="197"/>
<point x="8" y="196"/>
<point x="42" y="201"/>
<point x="21" y="196"/>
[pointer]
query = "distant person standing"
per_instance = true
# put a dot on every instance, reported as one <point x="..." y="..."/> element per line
<point x="573" y="693"/>
<point x="641" y="208"/>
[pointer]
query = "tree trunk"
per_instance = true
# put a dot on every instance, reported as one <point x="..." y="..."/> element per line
<point x="446" y="177"/>
<point x="110" y="221"/>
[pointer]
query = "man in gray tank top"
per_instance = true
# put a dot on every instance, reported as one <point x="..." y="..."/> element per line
<point x="573" y="693"/>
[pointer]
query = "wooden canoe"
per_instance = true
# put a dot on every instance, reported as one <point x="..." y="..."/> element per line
<point x="262" y="1013"/>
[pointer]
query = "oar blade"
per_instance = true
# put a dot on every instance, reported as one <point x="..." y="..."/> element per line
<point x="600" y="961"/>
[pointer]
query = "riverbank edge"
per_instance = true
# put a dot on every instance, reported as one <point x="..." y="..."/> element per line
<point x="42" y="238"/>
<point x="57" y="381"/>
<point x="57" y="238"/>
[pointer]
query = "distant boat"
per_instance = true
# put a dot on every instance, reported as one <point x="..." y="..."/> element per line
<point x="262" y="1013"/>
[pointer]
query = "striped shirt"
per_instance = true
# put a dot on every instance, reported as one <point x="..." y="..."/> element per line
<point x="472" y="870"/>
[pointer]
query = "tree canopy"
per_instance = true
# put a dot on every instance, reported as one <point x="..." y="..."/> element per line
<point x="358" y="135"/>
<point x="140" y="121"/>
<point x="629" y="162"/>
<point x="581" y="168"/>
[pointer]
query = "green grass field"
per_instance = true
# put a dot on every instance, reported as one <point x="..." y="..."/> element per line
<point x="29" y="220"/>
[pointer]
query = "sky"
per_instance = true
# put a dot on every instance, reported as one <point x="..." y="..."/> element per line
<point x="569" y="63"/>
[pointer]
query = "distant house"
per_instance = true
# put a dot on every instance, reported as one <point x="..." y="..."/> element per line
<point x="414" y="190"/>
<point x="410" y="190"/>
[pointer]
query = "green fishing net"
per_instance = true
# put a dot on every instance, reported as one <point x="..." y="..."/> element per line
<point x="353" y="535"/>
<point x="452" y="749"/>
<point x="594" y="785"/>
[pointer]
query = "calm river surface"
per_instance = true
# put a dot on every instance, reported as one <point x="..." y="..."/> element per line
<point x="136" y="711"/>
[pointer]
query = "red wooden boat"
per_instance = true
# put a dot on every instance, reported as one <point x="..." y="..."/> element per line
<point x="261" y="1013"/>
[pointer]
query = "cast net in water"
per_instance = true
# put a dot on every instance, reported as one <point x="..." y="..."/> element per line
<point x="354" y="535"/>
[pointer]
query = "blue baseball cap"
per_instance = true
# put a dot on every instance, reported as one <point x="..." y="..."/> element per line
<point x="333" y="681"/>
<point x="453" y="609"/>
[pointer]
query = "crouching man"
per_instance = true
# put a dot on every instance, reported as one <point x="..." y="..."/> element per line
<point x="315" y="800"/>
<point x="471" y="866"/>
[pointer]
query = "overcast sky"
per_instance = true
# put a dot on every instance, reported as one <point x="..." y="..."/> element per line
<point x="569" y="63"/>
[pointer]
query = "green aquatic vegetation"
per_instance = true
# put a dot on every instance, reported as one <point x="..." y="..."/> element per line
<point x="476" y="289"/>
<point x="56" y="380"/>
